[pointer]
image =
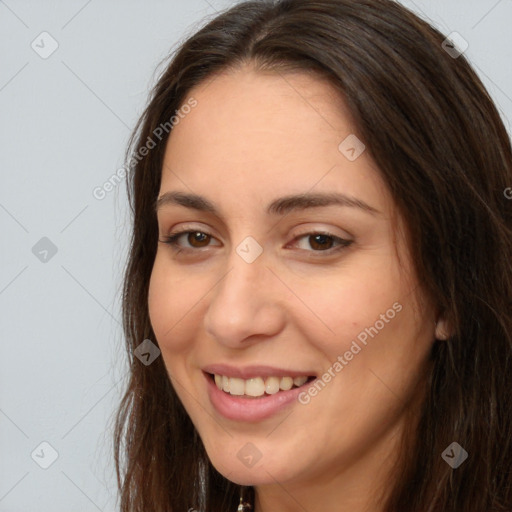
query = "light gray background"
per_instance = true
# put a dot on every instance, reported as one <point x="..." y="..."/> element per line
<point x="64" y="124"/>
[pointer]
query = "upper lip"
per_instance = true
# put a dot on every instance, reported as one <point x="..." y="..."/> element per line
<point x="249" y="372"/>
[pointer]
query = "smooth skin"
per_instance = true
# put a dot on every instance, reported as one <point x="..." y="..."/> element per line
<point x="252" y="138"/>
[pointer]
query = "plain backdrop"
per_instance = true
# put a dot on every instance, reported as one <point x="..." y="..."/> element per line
<point x="65" y="118"/>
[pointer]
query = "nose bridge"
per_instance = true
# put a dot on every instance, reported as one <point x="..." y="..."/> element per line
<point x="244" y="301"/>
<point x="246" y="268"/>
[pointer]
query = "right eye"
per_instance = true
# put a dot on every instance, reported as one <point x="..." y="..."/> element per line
<point x="195" y="239"/>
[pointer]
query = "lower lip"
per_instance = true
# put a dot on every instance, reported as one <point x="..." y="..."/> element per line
<point x="238" y="408"/>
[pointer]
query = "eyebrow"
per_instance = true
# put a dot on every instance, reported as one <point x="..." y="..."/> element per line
<point x="279" y="206"/>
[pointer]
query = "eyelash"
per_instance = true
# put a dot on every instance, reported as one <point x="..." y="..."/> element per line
<point x="172" y="239"/>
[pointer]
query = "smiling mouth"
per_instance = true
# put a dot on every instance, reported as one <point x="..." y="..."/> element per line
<point x="258" y="387"/>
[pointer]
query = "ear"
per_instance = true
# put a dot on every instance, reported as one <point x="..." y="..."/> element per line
<point x="443" y="330"/>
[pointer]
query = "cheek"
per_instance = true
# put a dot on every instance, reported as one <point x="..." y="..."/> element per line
<point x="159" y="300"/>
<point x="170" y="305"/>
<point x="383" y="342"/>
<point x="367" y="318"/>
<point x="342" y="308"/>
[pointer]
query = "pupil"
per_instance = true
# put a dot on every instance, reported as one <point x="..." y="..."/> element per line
<point x="321" y="240"/>
<point x="198" y="237"/>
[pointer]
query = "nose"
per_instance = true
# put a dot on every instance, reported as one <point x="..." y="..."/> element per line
<point x="246" y="305"/>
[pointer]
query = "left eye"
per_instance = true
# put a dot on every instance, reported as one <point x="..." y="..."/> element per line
<point x="324" y="241"/>
<point x="320" y="242"/>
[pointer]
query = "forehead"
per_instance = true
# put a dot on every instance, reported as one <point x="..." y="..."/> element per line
<point x="293" y="106"/>
<point x="263" y="131"/>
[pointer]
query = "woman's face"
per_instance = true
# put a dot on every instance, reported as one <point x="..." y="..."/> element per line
<point x="265" y="287"/>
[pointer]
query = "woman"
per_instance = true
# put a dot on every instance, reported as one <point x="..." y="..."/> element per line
<point x="322" y="253"/>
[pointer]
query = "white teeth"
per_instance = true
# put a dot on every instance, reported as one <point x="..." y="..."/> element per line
<point x="257" y="386"/>
<point x="236" y="386"/>
<point x="298" y="381"/>
<point x="254" y="387"/>
<point x="286" y="383"/>
<point x="225" y="383"/>
<point x="272" y="385"/>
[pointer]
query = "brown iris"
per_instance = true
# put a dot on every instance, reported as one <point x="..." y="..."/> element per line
<point x="320" y="240"/>
<point x="198" y="237"/>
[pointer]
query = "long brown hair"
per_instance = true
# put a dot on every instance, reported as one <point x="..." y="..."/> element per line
<point x="442" y="149"/>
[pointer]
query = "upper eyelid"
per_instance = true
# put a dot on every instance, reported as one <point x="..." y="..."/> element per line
<point x="187" y="229"/>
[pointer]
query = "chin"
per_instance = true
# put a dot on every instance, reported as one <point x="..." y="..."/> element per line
<point x="250" y="466"/>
